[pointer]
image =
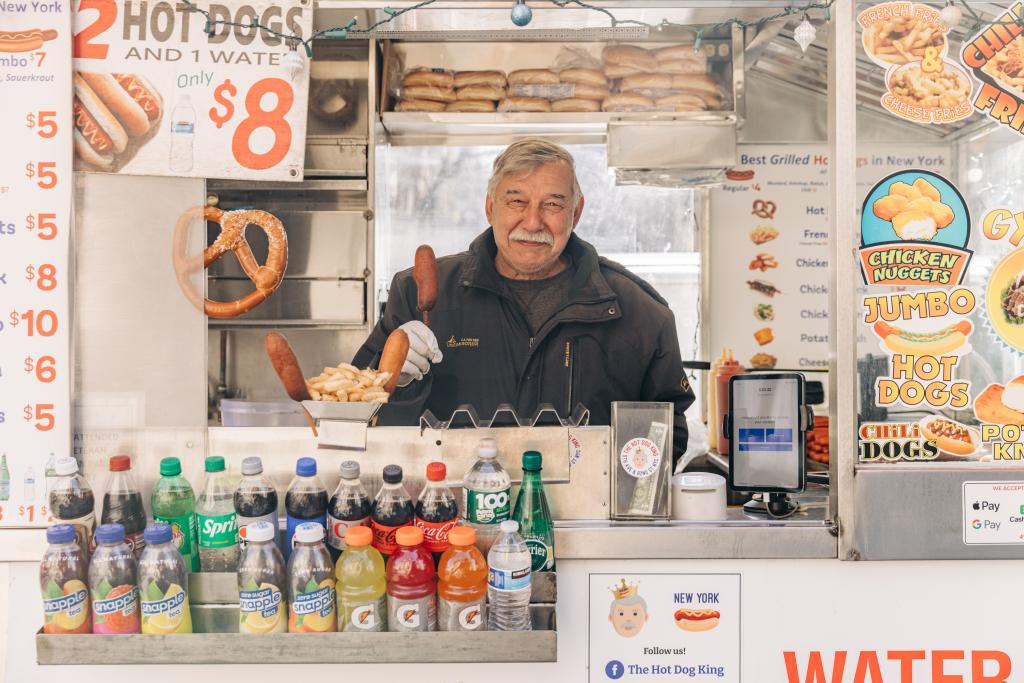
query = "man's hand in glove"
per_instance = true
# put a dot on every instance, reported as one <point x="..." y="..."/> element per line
<point x="423" y="351"/>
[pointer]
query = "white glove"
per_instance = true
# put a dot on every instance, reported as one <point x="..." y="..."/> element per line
<point x="423" y="351"/>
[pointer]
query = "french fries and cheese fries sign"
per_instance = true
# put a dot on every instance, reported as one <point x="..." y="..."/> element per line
<point x="995" y="56"/>
<point x="914" y="232"/>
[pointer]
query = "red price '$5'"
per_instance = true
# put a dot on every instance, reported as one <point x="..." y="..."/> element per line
<point x="265" y="128"/>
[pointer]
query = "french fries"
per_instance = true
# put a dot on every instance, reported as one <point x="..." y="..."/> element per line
<point x="902" y="39"/>
<point x="348" y="384"/>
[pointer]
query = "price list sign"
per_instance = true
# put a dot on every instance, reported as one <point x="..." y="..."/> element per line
<point x="36" y="187"/>
<point x="163" y="89"/>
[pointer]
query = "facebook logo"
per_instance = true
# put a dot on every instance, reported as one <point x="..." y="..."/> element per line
<point x="614" y="669"/>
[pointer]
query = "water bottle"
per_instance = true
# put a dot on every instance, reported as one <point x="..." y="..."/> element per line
<point x="218" y="528"/>
<point x="183" y="129"/>
<point x="30" y="485"/>
<point x="508" y="582"/>
<point x="255" y="499"/>
<point x="488" y="492"/>
<point x="5" y="479"/>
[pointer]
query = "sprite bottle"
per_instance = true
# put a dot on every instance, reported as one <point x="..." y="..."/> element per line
<point x="534" y="517"/>
<point x="174" y="503"/>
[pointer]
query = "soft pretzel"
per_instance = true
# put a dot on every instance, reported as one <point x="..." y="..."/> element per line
<point x="266" y="278"/>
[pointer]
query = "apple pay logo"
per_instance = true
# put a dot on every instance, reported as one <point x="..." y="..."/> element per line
<point x="986" y="506"/>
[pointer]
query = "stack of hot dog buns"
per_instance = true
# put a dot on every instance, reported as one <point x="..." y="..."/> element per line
<point x="477" y="91"/>
<point x="668" y="79"/>
<point x="112" y="111"/>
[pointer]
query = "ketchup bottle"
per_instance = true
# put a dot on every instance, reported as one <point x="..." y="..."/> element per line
<point x="730" y="367"/>
<point x="392" y="509"/>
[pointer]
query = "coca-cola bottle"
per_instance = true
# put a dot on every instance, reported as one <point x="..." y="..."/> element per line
<point x="392" y="509"/>
<point x="349" y="507"/>
<point x="436" y="510"/>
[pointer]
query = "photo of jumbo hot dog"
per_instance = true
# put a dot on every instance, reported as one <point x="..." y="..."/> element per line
<point x="114" y="114"/>
<point x="940" y="342"/>
<point x="951" y="436"/>
<point x="23" y="41"/>
<point x="697" y="619"/>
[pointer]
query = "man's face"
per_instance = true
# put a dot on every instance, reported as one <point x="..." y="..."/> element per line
<point x="532" y="216"/>
<point x="627" y="620"/>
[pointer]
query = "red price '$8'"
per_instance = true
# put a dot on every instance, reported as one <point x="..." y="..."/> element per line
<point x="259" y="124"/>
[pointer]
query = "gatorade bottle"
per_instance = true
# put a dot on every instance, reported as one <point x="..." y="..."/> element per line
<point x="114" y="583"/>
<point x="218" y="530"/>
<point x="62" y="578"/>
<point x="72" y="501"/>
<point x="310" y="582"/>
<point x="305" y="501"/>
<point x="392" y="508"/>
<point x="122" y="504"/>
<point x="255" y="499"/>
<point x="437" y="513"/>
<point x="174" y="502"/>
<point x="462" y="584"/>
<point x="261" y="579"/>
<point x="362" y="584"/>
<point x="411" y="584"/>
<point x="349" y="507"/>
<point x="534" y="517"/>
<point x="163" y="583"/>
<point x="488" y="492"/>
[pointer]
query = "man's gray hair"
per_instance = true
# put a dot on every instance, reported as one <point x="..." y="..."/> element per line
<point x="526" y="155"/>
<point x="628" y="602"/>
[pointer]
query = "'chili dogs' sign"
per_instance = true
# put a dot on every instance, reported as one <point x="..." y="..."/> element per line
<point x="914" y="231"/>
<point x="157" y="91"/>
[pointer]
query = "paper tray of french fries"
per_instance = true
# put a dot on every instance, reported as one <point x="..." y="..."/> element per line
<point x="346" y="393"/>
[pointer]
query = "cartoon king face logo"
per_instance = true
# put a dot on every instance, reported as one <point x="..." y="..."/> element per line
<point x="628" y="612"/>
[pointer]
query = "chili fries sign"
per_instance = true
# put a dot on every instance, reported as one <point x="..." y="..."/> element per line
<point x="995" y="56"/>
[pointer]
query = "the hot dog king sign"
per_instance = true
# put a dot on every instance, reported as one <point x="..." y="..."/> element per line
<point x="163" y="89"/>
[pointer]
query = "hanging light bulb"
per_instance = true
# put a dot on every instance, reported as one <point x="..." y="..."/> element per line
<point x="804" y="34"/>
<point x="951" y="16"/>
<point x="521" y="13"/>
<point x="293" y="62"/>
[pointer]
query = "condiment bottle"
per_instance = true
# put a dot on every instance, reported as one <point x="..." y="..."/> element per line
<point x="729" y="368"/>
<point x="712" y="405"/>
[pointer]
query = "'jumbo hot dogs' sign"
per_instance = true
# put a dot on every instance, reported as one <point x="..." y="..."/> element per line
<point x="156" y="93"/>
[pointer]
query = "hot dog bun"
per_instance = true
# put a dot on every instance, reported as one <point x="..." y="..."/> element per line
<point x="630" y="56"/>
<point x="949" y="435"/>
<point x="527" y="104"/>
<point x="480" y="92"/>
<point x="697" y="619"/>
<point x="941" y="342"/>
<point x="576" y="104"/>
<point x="100" y="136"/>
<point x="533" y="77"/>
<point x="419" y="105"/>
<point x="588" y="76"/>
<point x="495" y="79"/>
<point x="471" y="106"/>
<point x="429" y="77"/>
<point x="143" y="92"/>
<point x="119" y="102"/>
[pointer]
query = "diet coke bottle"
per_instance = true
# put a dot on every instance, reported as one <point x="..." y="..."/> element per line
<point x="391" y="510"/>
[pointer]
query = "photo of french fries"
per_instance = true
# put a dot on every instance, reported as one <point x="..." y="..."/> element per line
<point x="1007" y="66"/>
<point x="348" y="384"/>
<point x="900" y="40"/>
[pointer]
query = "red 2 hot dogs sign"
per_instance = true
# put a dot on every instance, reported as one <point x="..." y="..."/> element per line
<point x="155" y="94"/>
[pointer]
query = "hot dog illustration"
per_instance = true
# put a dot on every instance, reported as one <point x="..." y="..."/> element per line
<point x="24" y="41"/>
<point x="697" y="619"/>
<point x="949" y="435"/>
<point x="939" y="342"/>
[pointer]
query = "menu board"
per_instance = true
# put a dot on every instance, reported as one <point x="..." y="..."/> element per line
<point x="160" y="91"/>
<point x="36" y="187"/>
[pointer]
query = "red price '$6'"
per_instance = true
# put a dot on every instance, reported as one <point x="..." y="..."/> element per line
<point x="259" y="124"/>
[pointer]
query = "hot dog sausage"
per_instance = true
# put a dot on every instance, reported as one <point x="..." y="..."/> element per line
<point x="424" y="272"/>
<point x="23" y="41"/>
<point x="286" y="365"/>
<point x="392" y="358"/>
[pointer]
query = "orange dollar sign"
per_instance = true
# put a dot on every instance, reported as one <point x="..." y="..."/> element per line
<point x="229" y="108"/>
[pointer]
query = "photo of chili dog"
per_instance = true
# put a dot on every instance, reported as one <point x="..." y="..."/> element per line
<point x="23" y="41"/>
<point x="941" y="342"/>
<point x="951" y="436"/>
<point x="114" y="114"/>
<point x="697" y="619"/>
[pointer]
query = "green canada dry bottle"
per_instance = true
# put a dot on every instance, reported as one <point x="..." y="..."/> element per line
<point x="534" y="517"/>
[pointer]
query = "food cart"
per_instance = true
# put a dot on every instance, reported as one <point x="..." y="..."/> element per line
<point x="843" y="206"/>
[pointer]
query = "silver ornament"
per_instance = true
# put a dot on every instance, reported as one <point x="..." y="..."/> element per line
<point x="805" y="34"/>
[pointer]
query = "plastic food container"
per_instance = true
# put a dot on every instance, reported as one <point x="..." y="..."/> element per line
<point x="698" y="496"/>
<point x="241" y="413"/>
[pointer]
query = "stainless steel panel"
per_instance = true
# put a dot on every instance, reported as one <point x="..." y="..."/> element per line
<point x="321" y="244"/>
<point x="334" y="301"/>
<point x="338" y="91"/>
<point x="671" y="144"/>
<point x="914" y="514"/>
<point x="335" y="158"/>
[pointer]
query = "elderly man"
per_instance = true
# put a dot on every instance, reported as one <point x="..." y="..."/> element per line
<point x="531" y="314"/>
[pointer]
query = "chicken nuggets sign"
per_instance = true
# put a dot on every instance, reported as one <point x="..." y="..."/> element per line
<point x="914" y="230"/>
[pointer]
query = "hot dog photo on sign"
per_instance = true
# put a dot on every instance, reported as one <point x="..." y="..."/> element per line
<point x="115" y="114"/>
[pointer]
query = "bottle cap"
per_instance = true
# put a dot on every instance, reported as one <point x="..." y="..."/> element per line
<point x="170" y="467"/>
<point x="260" y="532"/>
<point x="65" y="465"/>
<point x="215" y="463"/>
<point x="305" y="467"/>
<point x="392" y="474"/>
<point x="436" y="471"/>
<point x="531" y="461"/>
<point x="487" y="448"/>
<point x="350" y="469"/>
<point x="462" y="536"/>
<point x="157" y="532"/>
<point x="309" y="532"/>
<point x="120" y="463"/>
<point x="409" y="536"/>
<point x="252" y="465"/>
<point x="358" y="536"/>
<point x="509" y="526"/>
<point x="110" y="533"/>
<point x="60" y="533"/>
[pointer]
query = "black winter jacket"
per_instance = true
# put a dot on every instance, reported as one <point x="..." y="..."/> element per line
<point x="614" y="340"/>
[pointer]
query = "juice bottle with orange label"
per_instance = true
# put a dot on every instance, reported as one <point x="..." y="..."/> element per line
<point x="114" y="583"/>
<point x="462" y="584"/>
<point x="62" y="577"/>
<point x="310" y="582"/>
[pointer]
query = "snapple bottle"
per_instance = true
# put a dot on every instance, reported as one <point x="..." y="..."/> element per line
<point x="262" y="580"/>
<point x="62" y="577"/>
<point x="114" y="583"/>
<point x="310" y="582"/>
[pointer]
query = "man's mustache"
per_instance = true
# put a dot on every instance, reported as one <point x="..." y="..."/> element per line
<point x="521" y="235"/>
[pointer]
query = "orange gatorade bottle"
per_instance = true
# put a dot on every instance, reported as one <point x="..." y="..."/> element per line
<point x="462" y="584"/>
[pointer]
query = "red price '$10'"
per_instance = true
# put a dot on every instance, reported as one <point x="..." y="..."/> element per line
<point x="256" y="117"/>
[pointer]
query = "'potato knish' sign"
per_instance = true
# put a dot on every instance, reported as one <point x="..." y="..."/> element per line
<point x="161" y="90"/>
